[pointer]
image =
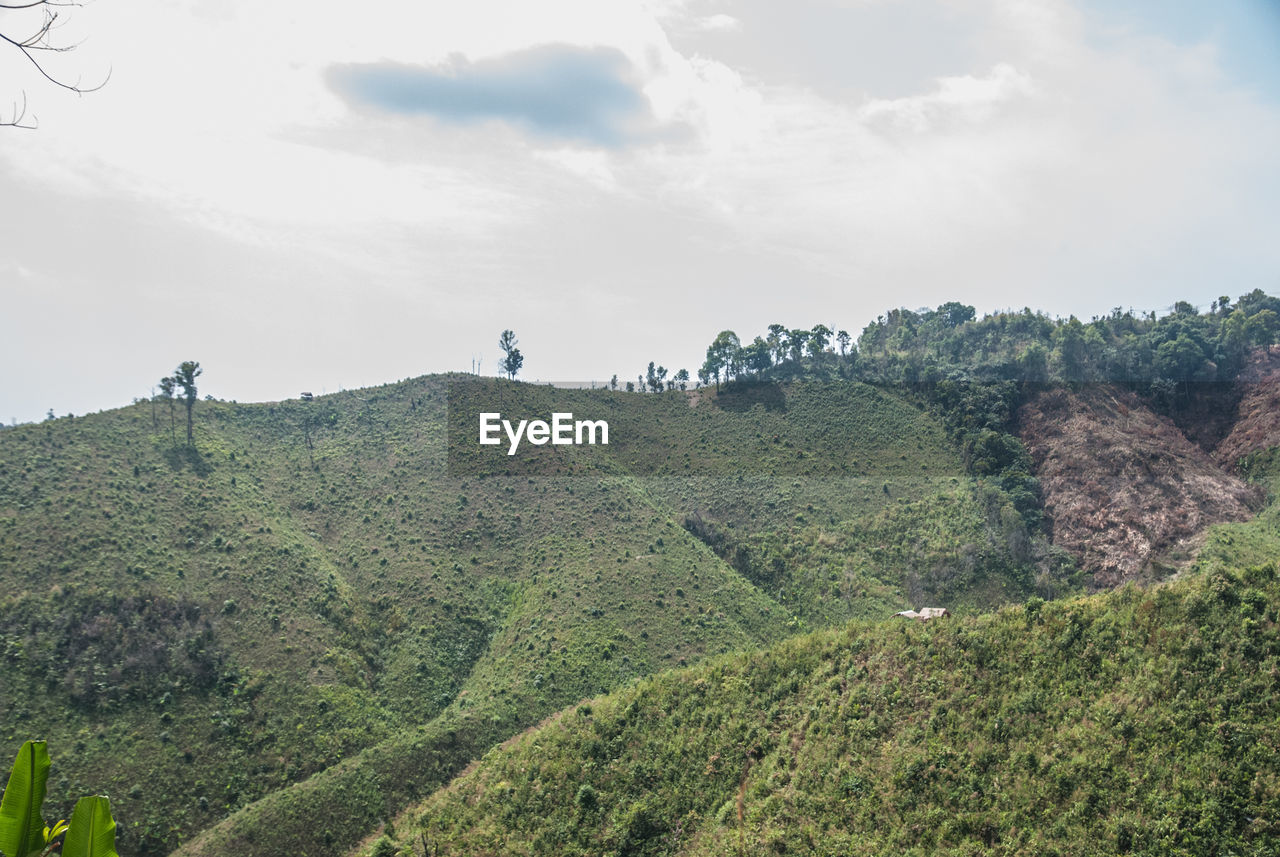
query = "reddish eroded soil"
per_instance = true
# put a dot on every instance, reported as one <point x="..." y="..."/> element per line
<point x="1257" y="418"/>
<point x="1120" y="483"/>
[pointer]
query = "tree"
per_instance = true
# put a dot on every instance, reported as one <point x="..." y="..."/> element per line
<point x="1233" y="340"/>
<point x="843" y="339"/>
<point x="723" y="356"/>
<point x="681" y="379"/>
<point x="512" y="359"/>
<point x="954" y="314"/>
<point x="1262" y="327"/>
<point x="1256" y="301"/>
<point x="28" y="27"/>
<point x="613" y="382"/>
<point x="757" y="356"/>
<point x="796" y="340"/>
<point x="777" y="342"/>
<point x="1072" y="351"/>
<point x="818" y="339"/>
<point x="166" y="392"/>
<point x="1034" y="364"/>
<point x="1180" y="359"/>
<point x="185" y="377"/>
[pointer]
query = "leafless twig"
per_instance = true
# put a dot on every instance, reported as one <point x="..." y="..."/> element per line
<point x="19" y="115"/>
<point x="39" y="39"/>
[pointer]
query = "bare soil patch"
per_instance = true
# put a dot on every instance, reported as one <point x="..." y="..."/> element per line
<point x="1121" y="484"/>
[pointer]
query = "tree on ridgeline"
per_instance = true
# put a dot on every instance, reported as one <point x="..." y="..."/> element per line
<point x="723" y="356"/>
<point x="818" y="339"/>
<point x="796" y="340"/>
<point x="954" y="313"/>
<point x="757" y="356"/>
<point x="1257" y="301"/>
<point x="1070" y="343"/>
<point x="1262" y="327"/>
<point x="777" y="340"/>
<point x="185" y="377"/>
<point x="653" y="377"/>
<point x="681" y="379"/>
<point x="512" y="359"/>
<point x="166" y="392"/>
<point x="843" y="339"/>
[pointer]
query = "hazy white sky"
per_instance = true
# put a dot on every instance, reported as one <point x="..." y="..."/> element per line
<point x="308" y="195"/>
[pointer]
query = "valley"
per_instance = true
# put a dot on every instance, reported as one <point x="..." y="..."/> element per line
<point x="294" y="632"/>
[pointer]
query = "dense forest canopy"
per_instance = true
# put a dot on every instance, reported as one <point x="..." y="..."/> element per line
<point x="930" y="345"/>
<point x="976" y="372"/>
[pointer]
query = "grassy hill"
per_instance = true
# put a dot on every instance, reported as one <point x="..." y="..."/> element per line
<point x="1133" y="722"/>
<point x="324" y="610"/>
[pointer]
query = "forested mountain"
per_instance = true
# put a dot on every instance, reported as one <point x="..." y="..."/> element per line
<point x="278" y="636"/>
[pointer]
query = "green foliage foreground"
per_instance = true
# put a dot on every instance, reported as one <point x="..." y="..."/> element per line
<point x="1136" y="722"/>
<point x="347" y="609"/>
<point x="23" y="833"/>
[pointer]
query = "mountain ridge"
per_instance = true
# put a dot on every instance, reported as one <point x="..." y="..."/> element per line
<point x="351" y="601"/>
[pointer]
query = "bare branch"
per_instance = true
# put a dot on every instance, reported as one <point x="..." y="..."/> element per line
<point x="36" y="3"/>
<point x="39" y="40"/>
<point x="19" y="114"/>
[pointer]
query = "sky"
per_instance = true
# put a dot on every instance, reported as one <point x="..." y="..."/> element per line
<point x="319" y="195"/>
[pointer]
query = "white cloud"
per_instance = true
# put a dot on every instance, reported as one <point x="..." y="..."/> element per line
<point x="718" y="23"/>
<point x="1037" y="163"/>
<point x="966" y="99"/>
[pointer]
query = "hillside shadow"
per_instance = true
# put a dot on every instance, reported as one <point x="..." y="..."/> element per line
<point x="744" y="395"/>
<point x="187" y="458"/>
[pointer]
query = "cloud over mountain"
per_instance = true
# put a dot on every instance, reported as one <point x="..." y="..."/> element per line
<point x="558" y="90"/>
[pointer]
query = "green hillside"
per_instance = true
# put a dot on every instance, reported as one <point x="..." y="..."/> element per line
<point x="1135" y="722"/>
<point x="326" y="608"/>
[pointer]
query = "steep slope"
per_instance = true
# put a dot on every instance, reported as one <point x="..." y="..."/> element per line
<point x="1121" y="484"/>
<point x="319" y="593"/>
<point x="1137" y="722"/>
<point x="1256" y="425"/>
<point x="738" y="488"/>
<point x="329" y="605"/>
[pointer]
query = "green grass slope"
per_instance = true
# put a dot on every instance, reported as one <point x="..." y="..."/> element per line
<point x="1135" y="722"/>
<point x="325" y="609"/>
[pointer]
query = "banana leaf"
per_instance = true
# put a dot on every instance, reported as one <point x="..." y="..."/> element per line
<point x="93" y="830"/>
<point x="21" y="825"/>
